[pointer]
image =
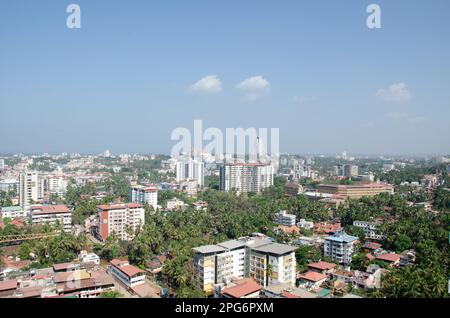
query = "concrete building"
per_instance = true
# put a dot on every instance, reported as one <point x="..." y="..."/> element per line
<point x="7" y="185"/>
<point x="56" y="185"/>
<point x="127" y="274"/>
<point x="190" y="169"/>
<point x="355" y="191"/>
<point x="2" y="163"/>
<point x="31" y="188"/>
<point x="144" y="195"/>
<point x="52" y="214"/>
<point x="286" y="219"/>
<point x="121" y="219"/>
<point x="340" y="247"/>
<point x="266" y="262"/>
<point x="371" y="229"/>
<point x="13" y="212"/>
<point x="245" y="177"/>
<point x="350" y="171"/>
<point x="292" y="189"/>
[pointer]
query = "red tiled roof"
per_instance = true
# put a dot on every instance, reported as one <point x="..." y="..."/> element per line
<point x="127" y="269"/>
<point x="8" y="284"/>
<point x="131" y="270"/>
<point x="63" y="266"/>
<point x="46" y="209"/>
<point x="322" y="265"/>
<point x="391" y="257"/>
<point x="243" y="288"/>
<point x="372" y="245"/>
<point x="370" y="257"/>
<point x="286" y="294"/>
<point x="313" y="276"/>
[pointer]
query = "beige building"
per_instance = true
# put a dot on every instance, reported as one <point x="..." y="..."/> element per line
<point x="245" y="177"/>
<point x="256" y="257"/>
<point x="355" y="191"/>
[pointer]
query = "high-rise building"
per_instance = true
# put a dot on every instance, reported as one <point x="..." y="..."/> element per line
<point x="350" y="170"/>
<point x="266" y="262"/>
<point x="121" y="219"/>
<point x="31" y="188"/>
<point x="190" y="169"/>
<point x="144" y="195"/>
<point x="2" y="164"/>
<point x="56" y="185"/>
<point x="245" y="177"/>
<point x="340" y="247"/>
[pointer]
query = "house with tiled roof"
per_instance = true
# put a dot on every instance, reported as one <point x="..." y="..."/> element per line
<point x="322" y="267"/>
<point x="242" y="288"/>
<point x="127" y="274"/>
<point x="311" y="280"/>
<point x="391" y="258"/>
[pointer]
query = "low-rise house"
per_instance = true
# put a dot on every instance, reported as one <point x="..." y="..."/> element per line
<point x="156" y="265"/>
<point x="242" y="288"/>
<point x="175" y="204"/>
<point x="93" y="258"/>
<point x="408" y="257"/>
<point x="13" y="212"/>
<point x="286" y="219"/>
<point x="370" y="247"/>
<point x="307" y="225"/>
<point x="127" y="274"/>
<point x="371" y="229"/>
<point x="322" y="267"/>
<point x="281" y="290"/>
<point x="66" y="267"/>
<point x="288" y="230"/>
<point x="200" y="205"/>
<point x="391" y="258"/>
<point x="311" y="280"/>
<point x="327" y="228"/>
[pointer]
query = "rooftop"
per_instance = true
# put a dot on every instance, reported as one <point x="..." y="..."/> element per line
<point x="313" y="276"/>
<point x="322" y="265"/>
<point x="341" y="236"/>
<point x="106" y="207"/>
<point x="208" y="249"/>
<point x="46" y="209"/>
<point x="275" y="248"/>
<point x="243" y="288"/>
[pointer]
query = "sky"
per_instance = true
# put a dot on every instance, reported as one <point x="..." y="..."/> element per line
<point x="136" y="70"/>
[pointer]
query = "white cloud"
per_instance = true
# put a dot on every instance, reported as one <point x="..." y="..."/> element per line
<point x="398" y="92"/>
<point x="210" y="84"/>
<point x="254" y="87"/>
<point x="304" y="99"/>
<point x="405" y="117"/>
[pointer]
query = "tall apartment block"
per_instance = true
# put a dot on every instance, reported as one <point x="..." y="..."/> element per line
<point x="245" y="177"/>
<point x="31" y="188"/>
<point x="121" y="219"/>
<point x="255" y="257"/>
<point x="144" y="195"/>
<point x="190" y="169"/>
<point x="340" y="247"/>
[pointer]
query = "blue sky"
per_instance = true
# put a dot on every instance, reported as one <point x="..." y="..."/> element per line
<point x="124" y="80"/>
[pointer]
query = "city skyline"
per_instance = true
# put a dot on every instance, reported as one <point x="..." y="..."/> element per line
<point x="131" y="75"/>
